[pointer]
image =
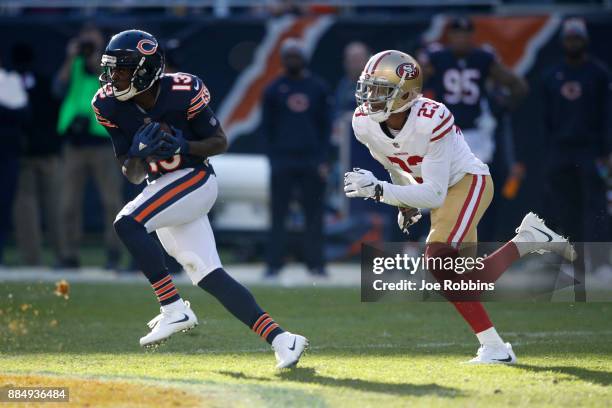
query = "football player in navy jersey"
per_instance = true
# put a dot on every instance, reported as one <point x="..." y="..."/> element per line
<point x="456" y="75"/>
<point x="163" y="130"/>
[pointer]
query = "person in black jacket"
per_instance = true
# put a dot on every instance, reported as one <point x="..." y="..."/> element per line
<point x="296" y="125"/>
<point x="14" y="112"/>
<point x="39" y="182"/>
<point x="577" y="97"/>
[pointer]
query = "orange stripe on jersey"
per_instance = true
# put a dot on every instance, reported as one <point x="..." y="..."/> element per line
<point x="195" y="107"/>
<point x="198" y="96"/>
<point x="168" y="196"/>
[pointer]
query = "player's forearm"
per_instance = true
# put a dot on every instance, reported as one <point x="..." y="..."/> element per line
<point x="418" y="196"/>
<point x="211" y="146"/>
<point x="134" y="169"/>
<point x="208" y="147"/>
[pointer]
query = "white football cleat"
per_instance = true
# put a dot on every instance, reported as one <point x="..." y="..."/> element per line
<point x="169" y="321"/>
<point x="288" y="348"/>
<point x="539" y="238"/>
<point x="488" y="354"/>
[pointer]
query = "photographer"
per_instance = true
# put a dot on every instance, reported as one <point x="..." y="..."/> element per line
<point x="87" y="150"/>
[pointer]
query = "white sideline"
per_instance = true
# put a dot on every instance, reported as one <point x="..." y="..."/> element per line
<point x="294" y="275"/>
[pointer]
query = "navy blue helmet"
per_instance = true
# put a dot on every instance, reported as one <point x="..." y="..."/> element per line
<point x="138" y="51"/>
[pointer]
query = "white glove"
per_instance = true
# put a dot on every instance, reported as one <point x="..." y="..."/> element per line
<point x="406" y="217"/>
<point x="362" y="183"/>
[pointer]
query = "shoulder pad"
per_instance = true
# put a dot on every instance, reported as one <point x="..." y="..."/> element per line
<point x="191" y="92"/>
<point x="359" y="123"/>
<point x="103" y="106"/>
<point x="434" y="120"/>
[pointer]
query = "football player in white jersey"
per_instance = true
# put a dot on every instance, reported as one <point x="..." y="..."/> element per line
<point x="431" y="166"/>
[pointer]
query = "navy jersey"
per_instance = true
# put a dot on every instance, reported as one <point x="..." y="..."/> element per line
<point x="460" y="82"/>
<point x="182" y="98"/>
<point x="577" y="107"/>
<point x="296" y="120"/>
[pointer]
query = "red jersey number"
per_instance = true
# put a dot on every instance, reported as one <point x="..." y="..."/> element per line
<point x="405" y="165"/>
<point x="428" y="109"/>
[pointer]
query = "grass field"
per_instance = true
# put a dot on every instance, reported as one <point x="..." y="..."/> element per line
<point x="390" y="354"/>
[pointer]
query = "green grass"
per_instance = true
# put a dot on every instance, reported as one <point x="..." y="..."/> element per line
<point x="384" y="354"/>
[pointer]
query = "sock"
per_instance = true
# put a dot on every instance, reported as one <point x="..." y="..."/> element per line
<point x="475" y="315"/>
<point x="473" y="312"/>
<point x="177" y="305"/>
<point x="240" y="302"/>
<point x="490" y="337"/>
<point x="167" y="293"/>
<point x="149" y="258"/>
<point x="496" y="264"/>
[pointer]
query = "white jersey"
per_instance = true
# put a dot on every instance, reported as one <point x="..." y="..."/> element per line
<point x="429" y="149"/>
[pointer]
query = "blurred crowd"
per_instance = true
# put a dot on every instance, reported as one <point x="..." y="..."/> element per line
<point x="52" y="150"/>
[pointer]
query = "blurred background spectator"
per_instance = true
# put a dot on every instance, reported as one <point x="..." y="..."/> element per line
<point x="14" y="113"/>
<point x="577" y="121"/>
<point x="87" y="151"/>
<point x="296" y="126"/>
<point x="40" y="183"/>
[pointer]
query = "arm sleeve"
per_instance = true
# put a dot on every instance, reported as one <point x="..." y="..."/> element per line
<point x="121" y="142"/>
<point x="199" y="99"/>
<point x="436" y="172"/>
<point x="204" y="124"/>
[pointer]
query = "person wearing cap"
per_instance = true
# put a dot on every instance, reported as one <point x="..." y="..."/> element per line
<point x="296" y="127"/>
<point x="576" y="118"/>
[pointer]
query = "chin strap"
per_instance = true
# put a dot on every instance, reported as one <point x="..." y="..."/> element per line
<point x="407" y="105"/>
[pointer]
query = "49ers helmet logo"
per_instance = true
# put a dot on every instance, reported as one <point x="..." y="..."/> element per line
<point x="409" y="69"/>
<point x="147" y="47"/>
